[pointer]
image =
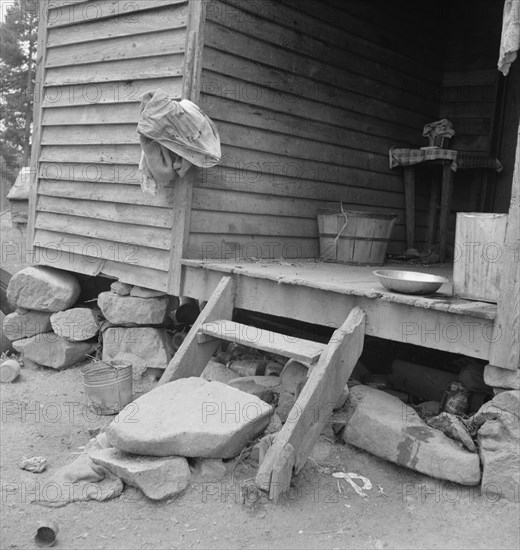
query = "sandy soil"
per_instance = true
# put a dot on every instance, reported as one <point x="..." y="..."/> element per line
<point x="44" y="413"/>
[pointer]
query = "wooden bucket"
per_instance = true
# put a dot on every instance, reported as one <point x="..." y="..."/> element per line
<point x="355" y="238"/>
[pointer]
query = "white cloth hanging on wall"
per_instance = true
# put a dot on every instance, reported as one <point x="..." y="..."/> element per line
<point x="510" y="41"/>
<point x="173" y="135"/>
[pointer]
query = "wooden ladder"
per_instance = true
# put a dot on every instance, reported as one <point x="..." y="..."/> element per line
<point x="331" y="365"/>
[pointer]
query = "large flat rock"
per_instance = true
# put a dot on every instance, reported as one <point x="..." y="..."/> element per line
<point x="23" y="324"/>
<point x="157" y="477"/>
<point x="78" y="324"/>
<point x="51" y="350"/>
<point x="384" y="426"/>
<point x="132" y="310"/>
<point x="43" y="289"/>
<point x="502" y="378"/>
<point x="191" y="417"/>
<point x="151" y="346"/>
<point x="499" y="446"/>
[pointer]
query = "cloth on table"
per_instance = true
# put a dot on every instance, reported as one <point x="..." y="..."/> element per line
<point x="510" y="41"/>
<point x="459" y="159"/>
<point x="80" y="480"/>
<point x="173" y="135"/>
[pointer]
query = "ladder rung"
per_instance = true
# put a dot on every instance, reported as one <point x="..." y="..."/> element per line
<point x="265" y="340"/>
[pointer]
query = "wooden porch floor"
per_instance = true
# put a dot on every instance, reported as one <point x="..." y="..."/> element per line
<point x="325" y="293"/>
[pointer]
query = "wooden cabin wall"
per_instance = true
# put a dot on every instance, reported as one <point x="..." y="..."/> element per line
<point x="507" y="138"/>
<point x="470" y="76"/>
<point x="471" y="96"/>
<point x="308" y="98"/>
<point x="90" y="213"/>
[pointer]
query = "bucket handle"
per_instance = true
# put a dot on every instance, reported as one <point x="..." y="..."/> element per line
<point x="115" y="367"/>
<point x="334" y="245"/>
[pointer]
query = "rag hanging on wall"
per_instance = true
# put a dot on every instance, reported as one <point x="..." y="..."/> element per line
<point x="174" y="135"/>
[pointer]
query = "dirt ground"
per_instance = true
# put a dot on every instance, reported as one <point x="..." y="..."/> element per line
<point x="44" y="413"/>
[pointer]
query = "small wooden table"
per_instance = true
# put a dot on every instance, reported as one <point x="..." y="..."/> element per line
<point x="450" y="160"/>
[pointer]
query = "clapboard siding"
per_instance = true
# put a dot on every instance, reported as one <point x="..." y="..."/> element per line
<point x="127" y="47"/>
<point x="67" y="13"/>
<point x="100" y="57"/>
<point x="110" y="93"/>
<point x="308" y="100"/>
<point x="125" y="25"/>
<point x="470" y="76"/>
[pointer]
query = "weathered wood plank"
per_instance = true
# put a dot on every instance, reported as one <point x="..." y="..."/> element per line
<point x="166" y="18"/>
<point x="505" y="350"/>
<point x="101" y="9"/>
<point x="481" y="77"/>
<point x="320" y="70"/>
<point x="368" y="65"/>
<point x="150" y="216"/>
<point x="125" y="69"/>
<point x="244" y="224"/>
<point x="106" y="192"/>
<point x="192" y="357"/>
<point x="292" y="100"/>
<point x="130" y="254"/>
<point x="349" y="95"/>
<point x="123" y="113"/>
<point x="184" y="188"/>
<point x="300" y="148"/>
<point x="455" y="94"/>
<point x="315" y="404"/>
<point x="219" y="246"/>
<point x="476" y="273"/>
<point x="285" y="181"/>
<point x="110" y="93"/>
<point x="152" y="237"/>
<point x="37" y="121"/>
<point x="97" y="134"/>
<point x="68" y="261"/>
<point x="125" y="47"/>
<point x="94" y="134"/>
<point x="263" y="116"/>
<point x="395" y="25"/>
<point x="100" y="154"/>
<point x="312" y="35"/>
<point x="90" y="172"/>
<point x="433" y="324"/>
<point x="280" y="204"/>
<point x="265" y="340"/>
<point x="274" y="164"/>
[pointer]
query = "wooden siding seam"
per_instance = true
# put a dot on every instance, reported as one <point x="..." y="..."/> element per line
<point x="143" y="5"/>
<point x="246" y="8"/>
<point x="316" y="81"/>
<point x="328" y="64"/>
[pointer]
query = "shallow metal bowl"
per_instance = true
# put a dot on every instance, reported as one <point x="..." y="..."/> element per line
<point x="409" y="282"/>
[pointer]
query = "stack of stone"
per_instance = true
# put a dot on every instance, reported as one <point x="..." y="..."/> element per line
<point x="135" y="331"/>
<point x="187" y="418"/>
<point x="40" y="328"/>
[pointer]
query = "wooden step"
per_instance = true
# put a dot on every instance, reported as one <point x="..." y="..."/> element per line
<point x="265" y="340"/>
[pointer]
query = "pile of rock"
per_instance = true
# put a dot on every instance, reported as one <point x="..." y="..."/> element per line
<point x="136" y="330"/>
<point x="190" y="418"/>
<point x="270" y="377"/>
<point x="47" y="330"/>
<point x="443" y="448"/>
<point x="42" y="327"/>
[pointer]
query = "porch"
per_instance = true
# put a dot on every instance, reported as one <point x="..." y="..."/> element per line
<point x="325" y="293"/>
